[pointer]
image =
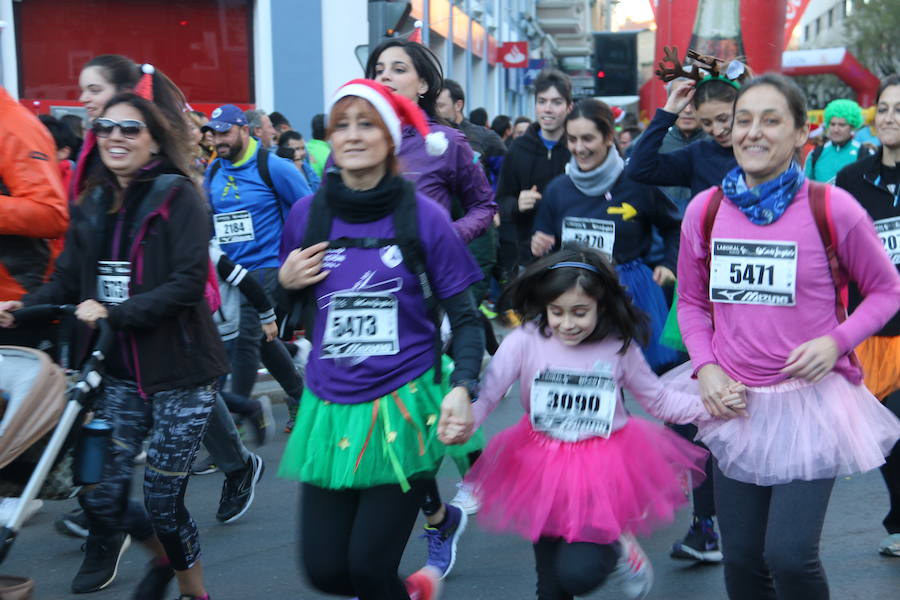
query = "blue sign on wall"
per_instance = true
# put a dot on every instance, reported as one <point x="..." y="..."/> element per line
<point x="534" y="68"/>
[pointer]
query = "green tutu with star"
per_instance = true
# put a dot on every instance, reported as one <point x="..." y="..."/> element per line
<point x="386" y="441"/>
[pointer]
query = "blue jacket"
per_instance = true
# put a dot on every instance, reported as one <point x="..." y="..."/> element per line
<point x="633" y="230"/>
<point x="239" y="187"/>
<point x="699" y="166"/>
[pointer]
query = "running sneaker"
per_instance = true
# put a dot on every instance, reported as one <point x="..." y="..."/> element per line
<point x="465" y="499"/>
<point x="155" y="582"/>
<point x="190" y="597"/>
<point x="890" y="546"/>
<point x="102" y="555"/>
<point x="73" y="524"/>
<point x="633" y="572"/>
<point x="262" y="421"/>
<point x="700" y="544"/>
<point x="488" y="309"/>
<point x="442" y="540"/>
<point x="204" y="466"/>
<point x="9" y="505"/>
<point x="238" y="490"/>
<point x="512" y="318"/>
<point x="424" y="584"/>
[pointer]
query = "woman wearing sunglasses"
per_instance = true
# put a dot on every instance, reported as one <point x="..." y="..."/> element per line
<point x="136" y="254"/>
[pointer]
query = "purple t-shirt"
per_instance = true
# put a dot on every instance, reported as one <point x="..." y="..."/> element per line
<point x="372" y="333"/>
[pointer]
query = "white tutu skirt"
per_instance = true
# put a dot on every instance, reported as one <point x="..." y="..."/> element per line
<point x="797" y="430"/>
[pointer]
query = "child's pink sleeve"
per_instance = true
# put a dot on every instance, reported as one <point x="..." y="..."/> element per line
<point x="502" y="372"/>
<point x="662" y="402"/>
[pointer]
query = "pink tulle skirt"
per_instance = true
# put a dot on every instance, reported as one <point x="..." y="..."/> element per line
<point x="587" y="491"/>
<point x="797" y="430"/>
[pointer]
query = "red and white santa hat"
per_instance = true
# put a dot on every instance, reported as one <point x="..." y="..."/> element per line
<point x="395" y="110"/>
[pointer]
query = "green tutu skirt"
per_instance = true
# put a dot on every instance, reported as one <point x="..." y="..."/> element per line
<point x="389" y="440"/>
<point x="671" y="333"/>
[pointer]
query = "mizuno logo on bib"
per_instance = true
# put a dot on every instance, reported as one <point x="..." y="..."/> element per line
<point x="753" y="272"/>
<point x="572" y="405"/>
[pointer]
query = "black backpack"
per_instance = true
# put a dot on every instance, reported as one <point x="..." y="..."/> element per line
<point x="301" y="306"/>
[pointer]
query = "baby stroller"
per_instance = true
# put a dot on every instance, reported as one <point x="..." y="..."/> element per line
<point x="38" y="427"/>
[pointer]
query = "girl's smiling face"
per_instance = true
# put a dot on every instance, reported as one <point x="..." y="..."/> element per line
<point x="572" y="316"/>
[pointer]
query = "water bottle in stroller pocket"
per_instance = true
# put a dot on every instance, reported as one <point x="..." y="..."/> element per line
<point x="92" y="452"/>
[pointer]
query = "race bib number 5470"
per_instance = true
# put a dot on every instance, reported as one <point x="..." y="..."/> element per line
<point x="753" y="272"/>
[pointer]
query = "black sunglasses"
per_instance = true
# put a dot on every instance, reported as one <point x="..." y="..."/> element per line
<point x="130" y="128"/>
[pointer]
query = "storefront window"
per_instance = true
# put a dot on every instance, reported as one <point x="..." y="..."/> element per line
<point x="204" y="46"/>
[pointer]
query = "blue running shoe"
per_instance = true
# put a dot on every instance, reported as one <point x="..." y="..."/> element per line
<point x="701" y="543"/>
<point x="442" y="540"/>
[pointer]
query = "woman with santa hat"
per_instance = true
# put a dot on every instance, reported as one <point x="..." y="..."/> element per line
<point x="370" y="259"/>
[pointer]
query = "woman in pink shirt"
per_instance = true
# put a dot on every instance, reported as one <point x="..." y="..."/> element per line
<point x="757" y="305"/>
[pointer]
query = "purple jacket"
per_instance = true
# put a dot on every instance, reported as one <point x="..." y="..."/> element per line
<point x="456" y="173"/>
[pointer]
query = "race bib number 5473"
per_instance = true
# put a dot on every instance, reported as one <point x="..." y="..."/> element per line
<point x="753" y="272"/>
<point x="360" y="324"/>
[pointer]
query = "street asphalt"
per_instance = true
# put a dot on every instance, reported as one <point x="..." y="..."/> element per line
<point x="256" y="557"/>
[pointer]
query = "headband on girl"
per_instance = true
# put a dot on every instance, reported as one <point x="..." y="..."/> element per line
<point x="710" y="64"/>
<point x="576" y="265"/>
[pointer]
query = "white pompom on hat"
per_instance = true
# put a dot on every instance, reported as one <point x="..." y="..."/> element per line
<point x="395" y="110"/>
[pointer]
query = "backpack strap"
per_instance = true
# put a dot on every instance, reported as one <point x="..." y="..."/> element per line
<point x="406" y="230"/>
<point x="814" y="158"/>
<point x="820" y="206"/>
<point x="709" y="219"/>
<point x="262" y="163"/>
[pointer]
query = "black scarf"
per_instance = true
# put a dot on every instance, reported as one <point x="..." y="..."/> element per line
<point x="363" y="206"/>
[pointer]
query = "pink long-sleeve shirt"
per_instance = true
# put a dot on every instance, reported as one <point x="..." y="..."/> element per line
<point x="750" y="342"/>
<point x="525" y="352"/>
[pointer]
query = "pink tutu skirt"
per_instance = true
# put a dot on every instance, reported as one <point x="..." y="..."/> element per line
<point x="797" y="430"/>
<point x="588" y="491"/>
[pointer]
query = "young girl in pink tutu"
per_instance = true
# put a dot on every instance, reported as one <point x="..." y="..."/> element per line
<point x="577" y="475"/>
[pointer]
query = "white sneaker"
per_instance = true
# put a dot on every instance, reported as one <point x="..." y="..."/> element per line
<point x="465" y="499"/>
<point x="890" y="545"/>
<point x="633" y="572"/>
<point x="302" y="356"/>
<point x="8" y="505"/>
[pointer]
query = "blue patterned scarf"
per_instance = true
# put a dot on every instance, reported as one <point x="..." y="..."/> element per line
<point x="765" y="203"/>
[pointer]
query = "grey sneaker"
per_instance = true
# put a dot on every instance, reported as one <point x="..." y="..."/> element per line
<point x="890" y="546"/>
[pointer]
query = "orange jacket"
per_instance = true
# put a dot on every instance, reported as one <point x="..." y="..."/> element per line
<point x="33" y="205"/>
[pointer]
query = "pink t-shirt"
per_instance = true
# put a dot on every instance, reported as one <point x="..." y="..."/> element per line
<point x="752" y="342"/>
<point x="524" y="353"/>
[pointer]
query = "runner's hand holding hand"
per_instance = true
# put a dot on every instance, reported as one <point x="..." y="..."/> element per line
<point x="303" y="267"/>
<point x="722" y="396"/>
<point x="813" y="360"/>
<point x="89" y="311"/>
<point x="7" y="319"/>
<point x="457" y="422"/>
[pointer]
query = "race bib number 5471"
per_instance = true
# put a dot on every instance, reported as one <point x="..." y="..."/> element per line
<point x="753" y="272"/>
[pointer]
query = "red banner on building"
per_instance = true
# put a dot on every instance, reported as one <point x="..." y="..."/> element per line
<point x="514" y="55"/>
<point x="795" y="10"/>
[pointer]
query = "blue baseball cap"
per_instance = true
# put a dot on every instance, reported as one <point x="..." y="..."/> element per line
<point x="226" y="116"/>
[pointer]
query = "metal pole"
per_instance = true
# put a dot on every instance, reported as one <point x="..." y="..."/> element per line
<point x="426" y="23"/>
<point x="448" y="53"/>
<point x="469" y="54"/>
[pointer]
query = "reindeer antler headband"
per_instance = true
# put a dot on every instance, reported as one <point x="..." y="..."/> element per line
<point x="708" y="63"/>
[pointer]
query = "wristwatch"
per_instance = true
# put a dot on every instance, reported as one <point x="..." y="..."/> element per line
<point x="472" y="386"/>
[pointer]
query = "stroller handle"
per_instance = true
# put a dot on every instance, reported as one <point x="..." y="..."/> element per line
<point x="45" y="312"/>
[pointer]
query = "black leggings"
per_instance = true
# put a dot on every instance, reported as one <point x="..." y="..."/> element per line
<point x="770" y="538"/>
<point x="351" y="541"/>
<point x="703" y="495"/>
<point x="890" y="470"/>
<point x="567" y="570"/>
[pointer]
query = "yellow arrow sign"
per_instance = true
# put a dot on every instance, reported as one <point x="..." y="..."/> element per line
<point x="626" y="210"/>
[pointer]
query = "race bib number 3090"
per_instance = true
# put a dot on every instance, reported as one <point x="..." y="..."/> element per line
<point x="753" y="272"/>
<point x="573" y="405"/>
<point x="360" y="324"/>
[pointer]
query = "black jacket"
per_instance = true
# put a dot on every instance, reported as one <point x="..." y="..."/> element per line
<point x="528" y="163"/>
<point x="859" y="178"/>
<point x="169" y="335"/>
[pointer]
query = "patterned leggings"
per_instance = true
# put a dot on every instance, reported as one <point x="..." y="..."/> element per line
<point x="175" y="421"/>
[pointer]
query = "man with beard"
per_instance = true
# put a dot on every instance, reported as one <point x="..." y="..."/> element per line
<point x="251" y="194"/>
